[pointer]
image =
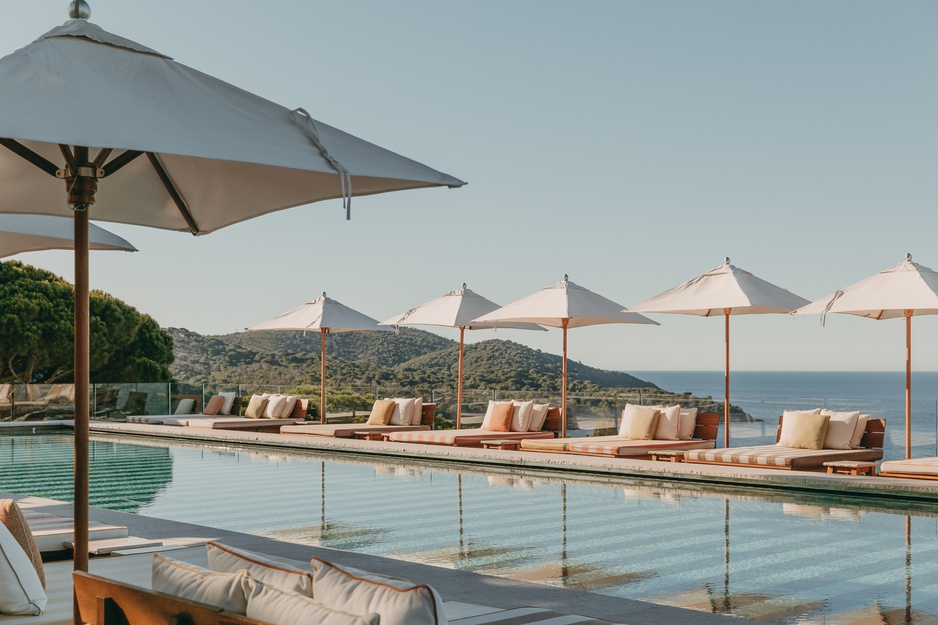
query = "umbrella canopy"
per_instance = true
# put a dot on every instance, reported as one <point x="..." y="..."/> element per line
<point x="905" y="290"/>
<point x="455" y="309"/>
<point x="172" y="148"/>
<point x="725" y="290"/>
<point x="325" y="315"/>
<point x="34" y="233"/>
<point x="564" y="305"/>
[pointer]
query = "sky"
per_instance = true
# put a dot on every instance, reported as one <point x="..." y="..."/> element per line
<point x="630" y="144"/>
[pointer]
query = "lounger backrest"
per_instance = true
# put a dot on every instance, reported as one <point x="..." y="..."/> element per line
<point x="708" y="423"/>
<point x="300" y="409"/>
<point x="108" y="601"/>
<point x="873" y="435"/>
<point x="553" y="421"/>
<point x="428" y="415"/>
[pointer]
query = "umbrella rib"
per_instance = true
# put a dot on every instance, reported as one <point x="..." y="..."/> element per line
<point x="21" y="150"/>
<point x="119" y="161"/>
<point x="173" y="193"/>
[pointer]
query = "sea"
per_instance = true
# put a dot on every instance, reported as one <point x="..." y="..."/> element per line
<point x="765" y="394"/>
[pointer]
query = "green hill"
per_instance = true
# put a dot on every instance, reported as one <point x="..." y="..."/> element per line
<point x="409" y="358"/>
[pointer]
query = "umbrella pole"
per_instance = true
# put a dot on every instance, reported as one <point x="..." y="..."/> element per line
<point x="563" y="395"/>
<point x="322" y="377"/>
<point x="82" y="380"/>
<point x="908" y="384"/>
<point x="462" y="334"/>
<point x="726" y="380"/>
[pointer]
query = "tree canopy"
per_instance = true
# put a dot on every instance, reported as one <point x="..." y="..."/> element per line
<point x="36" y="341"/>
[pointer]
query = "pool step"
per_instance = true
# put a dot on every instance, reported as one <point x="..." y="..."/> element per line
<point x="55" y="533"/>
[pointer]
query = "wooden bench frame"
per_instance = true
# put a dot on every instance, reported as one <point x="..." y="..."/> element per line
<point x="103" y="601"/>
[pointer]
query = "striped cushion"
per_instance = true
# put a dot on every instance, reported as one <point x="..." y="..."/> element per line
<point x="915" y="466"/>
<point x="617" y="446"/>
<point x="464" y="437"/>
<point x="776" y="456"/>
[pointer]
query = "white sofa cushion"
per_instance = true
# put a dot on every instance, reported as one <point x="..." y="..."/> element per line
<point x="538" y="417"/>
<point x="181" y="579"/>
<point x="688" y="423"/>
<point x="669" y="421"/>
<point x="282" y="607"/>
<point x="397" y="601"/>
<point x="841" y="429"/>
<point x="225" y="559"/>
<point x="521" y="417"/>
<point x="20" y="589"/>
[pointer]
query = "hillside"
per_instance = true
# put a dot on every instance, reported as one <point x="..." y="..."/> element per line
<point x="409" y="358"/>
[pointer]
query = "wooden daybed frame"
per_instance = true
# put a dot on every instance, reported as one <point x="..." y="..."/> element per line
<point x="705" y="433"/>
<point x="473" y="437"/>
<point x="788" y="458"/>
<point x="348" y="430"/>
<point x="103" y="601"/>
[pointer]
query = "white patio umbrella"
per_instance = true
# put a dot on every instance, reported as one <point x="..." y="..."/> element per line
<point x="325" y="315"/>
<point x="172" y="147"/>
<point x="35" y="233"/>
<point x="905" y="290"/>
<point x="726" y="290"/>
<point x="563" y="305"/>
<point x="455" y="309"/>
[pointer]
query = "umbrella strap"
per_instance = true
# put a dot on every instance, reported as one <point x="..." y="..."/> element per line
<point x="830" y="305"/>
<point x="305" y="121"/>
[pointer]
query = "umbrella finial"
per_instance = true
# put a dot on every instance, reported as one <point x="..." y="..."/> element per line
<point x="566" y="278"/>
<point x="726" y="260"/>
<point x="79" y="10"/>
<point x="908" y="257"/>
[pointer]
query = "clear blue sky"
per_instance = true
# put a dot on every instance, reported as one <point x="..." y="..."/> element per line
<point x="630" y="144"/>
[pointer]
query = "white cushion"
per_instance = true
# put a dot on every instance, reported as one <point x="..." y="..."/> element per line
<point x="274" y="405"/>
<point x="225" y="559"/>
<point x="416" y="412"/>
<point x="398" y="601"/>
<point x="521" y="418"/>
<point x="181" y="579"/>
<point x="487" y="419"/>
<point x="185" y="406"/>
<point x="538" y="416"/>
<point x="229" y="400"/>
<point x="840" y="429"/>
<point x="282" y="607"/>
<point x="668" y="423"/>
<point x="860" y="431"/>
<point x="688" y="422"/>
<point x="790" y="422"/>
<point x="287" y="408"/>
<point x="401" y="413"/>
<point x="20" y="588"/>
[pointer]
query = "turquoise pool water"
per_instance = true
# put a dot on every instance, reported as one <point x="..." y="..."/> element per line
<point x="790" y="559"/>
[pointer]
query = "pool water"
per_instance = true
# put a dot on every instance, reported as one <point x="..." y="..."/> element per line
<point x="782" y="558"/>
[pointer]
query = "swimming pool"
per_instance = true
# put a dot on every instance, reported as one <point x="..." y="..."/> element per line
<point x="792" y="559"/>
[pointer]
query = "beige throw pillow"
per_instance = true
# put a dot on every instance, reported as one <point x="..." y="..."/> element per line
<point x="256" y="406"/>
<point x="840" y="429"/>
<point x="811" y="431"/>
<point x="277" y="606"/>
<point x="639" y="422"/>
<point x="859" y="432"/>
<point x="790" y="423"/>
<point x="668" y="423"/>
<point x="400" y="415"/>
<point x="181" y="579"/>
<point x="521" y="417"/>
<point x="381" y="412"/>
<point x="225" y="559"/>
<point x="688" y="424"/>
<point x="538" y="417"/>
<point x="214" y="405"/>
<point x="489" y="412"/>
<point x="398" y="601"/>
<point x="228" y="398"/>
<point x="416" y="412"/>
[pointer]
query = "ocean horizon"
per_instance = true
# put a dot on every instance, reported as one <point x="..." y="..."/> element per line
<point x="765" y="394"/>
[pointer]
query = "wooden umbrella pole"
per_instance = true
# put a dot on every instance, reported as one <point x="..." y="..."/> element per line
<point x="563" y="402"/>
<point x="82" y="380"/>
<point x="908" y="384"/>
<point x="462" y="333"/>
<point x="726" y="379"/>
<point x="322" y="377"/>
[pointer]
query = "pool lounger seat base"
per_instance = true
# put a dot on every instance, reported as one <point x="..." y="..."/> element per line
<point x="473" y="437"/>
<point x="917" y="468"/>
<point x="780" y="457"/>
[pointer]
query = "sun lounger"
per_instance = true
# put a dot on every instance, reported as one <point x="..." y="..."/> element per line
<point x="779" y="457"/>
<point x="473" y="437"/>
<point x="348" y="430"/>
<point x="228" y="422"/>
<point x="919" y="468"/>
<point x="615" y="446"/>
